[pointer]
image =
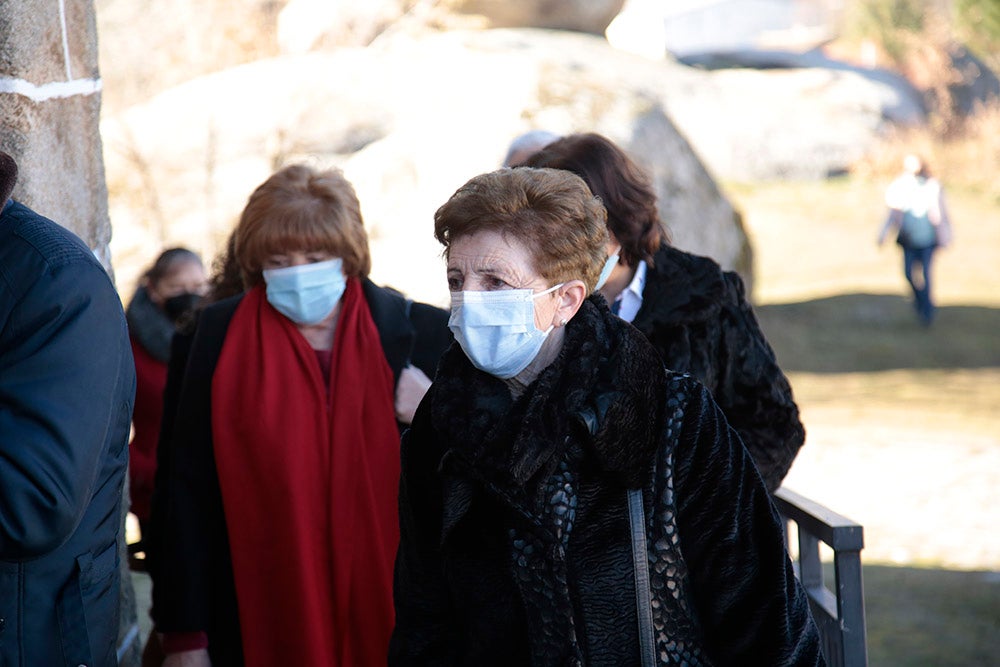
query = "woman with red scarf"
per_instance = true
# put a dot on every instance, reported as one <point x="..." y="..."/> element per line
<point x="280" y="525"/>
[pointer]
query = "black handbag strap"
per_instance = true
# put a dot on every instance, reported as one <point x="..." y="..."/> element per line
<point x="640" y="559"/>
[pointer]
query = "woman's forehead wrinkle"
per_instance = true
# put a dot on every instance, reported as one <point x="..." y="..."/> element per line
<point x="495" y="260"/>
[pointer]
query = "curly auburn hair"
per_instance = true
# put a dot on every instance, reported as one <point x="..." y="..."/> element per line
<point x="301" y="209"/>
<point x="550" y="212"/>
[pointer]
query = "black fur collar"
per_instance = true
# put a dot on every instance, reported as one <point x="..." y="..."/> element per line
<point x="605" y="388"/>
<point x="149" y="325"/>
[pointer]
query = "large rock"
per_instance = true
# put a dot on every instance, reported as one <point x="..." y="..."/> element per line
<point x="409" y="120"/>
<point x="591" y="16"/>
<point x="308" y="25"/>
<point x="49" y="117"/>
<point x="773" y="124"/>
<point x="147" y="47"/>
<point x="758" y="114"/>
<point x="762" y="115"/>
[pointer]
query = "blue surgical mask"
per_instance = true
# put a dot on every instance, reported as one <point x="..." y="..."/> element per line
<point x="306" y="293"/>
<point x="609" y="266"/>
<point x="497" y="329"/>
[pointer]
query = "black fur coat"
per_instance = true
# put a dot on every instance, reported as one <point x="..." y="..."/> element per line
<point x="697" y="317"/>
<point x="515" y="544"/>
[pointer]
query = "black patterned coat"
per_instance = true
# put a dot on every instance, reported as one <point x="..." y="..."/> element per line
<point x="515" y="545"/>
<point x="697" y="317"/>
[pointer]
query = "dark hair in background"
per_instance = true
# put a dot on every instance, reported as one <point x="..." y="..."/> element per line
<point x="226" y="279"/>
<point x="167" y="261"/>
<point x="623" y="187"/>
<point x="923" y="171"/>
<point x="8" y="177"/>
<point x="224" y="282"/>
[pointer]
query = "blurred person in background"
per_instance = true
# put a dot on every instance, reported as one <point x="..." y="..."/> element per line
<point x="167" y="292"/>
<point x="551" y="436"/>
<point x="525" y="145"/>
<point x="67" y="382"/>
<point x="918" y="214"/>
<point x="695" y="314"/>
<point x="280" y="515"/>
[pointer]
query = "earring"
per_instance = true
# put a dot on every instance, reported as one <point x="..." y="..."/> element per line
<point x="564" y="322"/>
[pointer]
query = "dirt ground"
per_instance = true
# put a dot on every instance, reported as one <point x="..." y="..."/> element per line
<point x="926" y="495"/>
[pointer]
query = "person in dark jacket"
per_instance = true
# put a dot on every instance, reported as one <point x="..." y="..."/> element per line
<point x="66" y="389"/>
<point x="169" y="289"/>
<point x="279" y="523"/>
<point x="545" y="424"/>
<point x="695" y="314"/>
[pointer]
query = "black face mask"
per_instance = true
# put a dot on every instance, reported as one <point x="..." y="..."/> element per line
<point x="178" y="306"/>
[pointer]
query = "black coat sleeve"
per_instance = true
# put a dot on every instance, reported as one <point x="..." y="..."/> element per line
<point x="432" y="336"/>
<point x="754" y="394"/>
<point x="750" y="605"/>
<point x="425" y="625"/>
<point x="180" y="349"/>
<point x="63" y="352"/>
<point x="193" y="587"/>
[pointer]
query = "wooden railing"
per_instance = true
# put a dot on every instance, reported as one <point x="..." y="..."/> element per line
<point x="840" y="611"/>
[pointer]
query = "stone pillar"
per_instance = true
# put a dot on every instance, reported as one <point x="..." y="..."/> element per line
<point x="50" y="102"/>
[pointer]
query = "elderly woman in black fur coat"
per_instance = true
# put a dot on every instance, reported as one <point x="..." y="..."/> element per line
<point x="564" y="499"/>
<point x="695" y="314"/>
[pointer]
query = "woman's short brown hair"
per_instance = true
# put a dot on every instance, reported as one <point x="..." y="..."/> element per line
<point x="622" y="185"/>
<point x="301" y="209"/>
<point x="551" y="212"/>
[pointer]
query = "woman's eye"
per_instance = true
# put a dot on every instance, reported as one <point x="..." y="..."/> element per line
<point x="494" y="283"/>
<point x="454" y="285"/>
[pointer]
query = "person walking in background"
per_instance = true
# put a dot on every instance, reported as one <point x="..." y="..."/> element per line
<point x="551" y="436"/>
<point x="695" y="314"/>
<point x="67" y="382"/>
<point x="918" y="213"/>
<point x="280" y="522"/>
<point x="167" y="292"/>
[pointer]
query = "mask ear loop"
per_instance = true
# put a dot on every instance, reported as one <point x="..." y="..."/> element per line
<point x="543" y="293"/>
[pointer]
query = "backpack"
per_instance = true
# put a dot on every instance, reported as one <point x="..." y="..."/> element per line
<point x="917" y="231"/>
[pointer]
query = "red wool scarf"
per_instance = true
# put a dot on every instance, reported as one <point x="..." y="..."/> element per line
<point x="309" y="485"/>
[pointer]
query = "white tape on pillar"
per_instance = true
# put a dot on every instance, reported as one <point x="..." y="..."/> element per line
<point x="49" y="91"/>
<point x="57" y="89"/>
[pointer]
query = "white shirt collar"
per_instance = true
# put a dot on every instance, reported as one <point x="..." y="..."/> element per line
<point x="630" y="299"/>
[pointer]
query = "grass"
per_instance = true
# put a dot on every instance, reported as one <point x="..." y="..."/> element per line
<point x="902" y="421"/>
<point x="902" y="632"/>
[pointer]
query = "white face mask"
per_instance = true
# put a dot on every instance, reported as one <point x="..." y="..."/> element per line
<point x="306" y="293"/>
<point x="497" y="329"/>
